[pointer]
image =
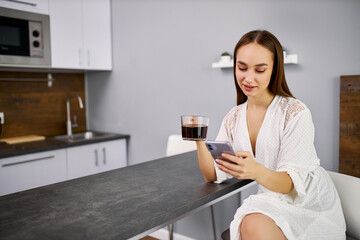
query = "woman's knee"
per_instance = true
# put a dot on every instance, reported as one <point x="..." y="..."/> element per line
<point x="249" y="224"/>
<point x="259" y="226"/>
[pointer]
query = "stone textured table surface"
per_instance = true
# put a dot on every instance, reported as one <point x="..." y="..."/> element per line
<point x="118" y="204"/>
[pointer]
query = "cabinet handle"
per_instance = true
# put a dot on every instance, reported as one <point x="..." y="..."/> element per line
<point x="26" y="161"/>
<point x="80" y="57"/>
<point x="22" y="2"/>
<point x="96" y="157"/>
<point x="88" y="57"/>
<point x="104" y="152"/>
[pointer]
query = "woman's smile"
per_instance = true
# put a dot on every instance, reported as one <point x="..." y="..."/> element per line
<point x="248" y="88"/>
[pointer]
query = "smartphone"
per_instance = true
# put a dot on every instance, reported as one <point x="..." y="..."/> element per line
<point x="216" y="148"/>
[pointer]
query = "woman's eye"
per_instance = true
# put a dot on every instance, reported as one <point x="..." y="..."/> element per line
<point x="242" y="69"/>
<point x="260" y="71"/>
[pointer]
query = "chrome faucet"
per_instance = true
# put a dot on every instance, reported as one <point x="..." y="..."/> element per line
<point x="69" y="125"/>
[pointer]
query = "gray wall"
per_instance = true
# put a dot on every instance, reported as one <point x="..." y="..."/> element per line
<point x="162" y="55"/>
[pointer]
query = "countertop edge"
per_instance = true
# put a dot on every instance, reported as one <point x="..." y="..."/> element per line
<point x="55" y="145"/>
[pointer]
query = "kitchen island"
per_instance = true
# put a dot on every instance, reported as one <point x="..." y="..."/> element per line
<point x="125" y="203"/>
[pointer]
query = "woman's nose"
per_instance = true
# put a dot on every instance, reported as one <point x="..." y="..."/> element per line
<point x="249" y="76"/>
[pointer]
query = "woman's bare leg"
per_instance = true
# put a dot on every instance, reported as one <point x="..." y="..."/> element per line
<point x="258" y="226"/>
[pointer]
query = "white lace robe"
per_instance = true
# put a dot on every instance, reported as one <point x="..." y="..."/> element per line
<point x="285" y="142"/>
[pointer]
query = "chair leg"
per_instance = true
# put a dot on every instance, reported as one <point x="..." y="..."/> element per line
<point x="226" y="235"/>
<point x="171" y="231"/>
<point x="171" y="226"/>
<point x="213" y="220"/>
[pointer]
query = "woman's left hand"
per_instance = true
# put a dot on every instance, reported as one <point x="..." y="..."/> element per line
<point x="241" y="166"/>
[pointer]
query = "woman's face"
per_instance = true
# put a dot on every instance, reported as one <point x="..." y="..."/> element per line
<point x="254" y="64"/>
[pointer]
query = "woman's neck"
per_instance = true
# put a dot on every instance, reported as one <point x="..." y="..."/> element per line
<point x="260" y="101"/>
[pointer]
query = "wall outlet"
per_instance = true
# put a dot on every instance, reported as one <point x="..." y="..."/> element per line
<point x="2" y="118"/>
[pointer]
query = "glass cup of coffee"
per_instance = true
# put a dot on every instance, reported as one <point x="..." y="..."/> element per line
<point x="193" y="127"/>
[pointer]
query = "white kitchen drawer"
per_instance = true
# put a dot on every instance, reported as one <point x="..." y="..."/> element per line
<point x="32" y="170"/>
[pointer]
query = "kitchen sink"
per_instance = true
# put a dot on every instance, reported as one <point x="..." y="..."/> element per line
<point x="80" y="137"/>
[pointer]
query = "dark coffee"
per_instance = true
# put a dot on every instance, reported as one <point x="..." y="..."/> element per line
<point x="194" y="132"/>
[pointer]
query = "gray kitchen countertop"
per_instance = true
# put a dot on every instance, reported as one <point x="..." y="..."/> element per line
<point x="118" y="204"/>
<point x="12" y="150"/>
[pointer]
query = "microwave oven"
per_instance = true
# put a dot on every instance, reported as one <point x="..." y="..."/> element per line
<point x="24" y="39"/>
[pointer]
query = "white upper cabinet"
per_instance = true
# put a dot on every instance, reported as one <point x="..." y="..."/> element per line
<point x="66" y="34"/>
<point x="80" y="34"/>
<point x="34" y="6"/>
<point x="97" y="34"/>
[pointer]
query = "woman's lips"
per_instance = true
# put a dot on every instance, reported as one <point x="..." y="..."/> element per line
<point x="248" y="88"/>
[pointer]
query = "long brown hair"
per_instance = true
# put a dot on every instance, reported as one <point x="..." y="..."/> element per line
<point x="277" y="85"/>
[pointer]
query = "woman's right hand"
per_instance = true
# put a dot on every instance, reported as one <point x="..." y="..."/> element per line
<point x="245" y="167"/>
<point x="241" y="166"/>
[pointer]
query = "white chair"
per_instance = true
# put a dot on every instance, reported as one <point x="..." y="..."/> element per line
<point x="348" y="188"/>
<point x="176" y="145"/>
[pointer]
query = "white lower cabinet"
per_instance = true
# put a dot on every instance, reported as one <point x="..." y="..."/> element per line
<point x="32" y="170"/>
<point x="39" y="169"/>
<point x="94" y="158"/>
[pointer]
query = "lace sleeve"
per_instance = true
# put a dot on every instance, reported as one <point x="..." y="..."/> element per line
<point x="230" y="121"/>
<point x="297" y="154"/>
<point x="293" y="110"/>
<point x="226" y="133"/>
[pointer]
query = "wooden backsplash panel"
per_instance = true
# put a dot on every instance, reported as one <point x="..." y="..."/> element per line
<point x="349" y="153"/>
<point x="35" y="108"/>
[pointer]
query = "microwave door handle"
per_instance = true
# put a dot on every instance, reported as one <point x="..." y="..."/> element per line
<point x="22" y="2"/>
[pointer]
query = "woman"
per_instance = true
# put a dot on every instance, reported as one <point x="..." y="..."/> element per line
<point x="272" y="134"/>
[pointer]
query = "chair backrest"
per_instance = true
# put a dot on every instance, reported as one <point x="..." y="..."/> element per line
<point x="348" y="188"/>
<point x="177" y="145"/>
